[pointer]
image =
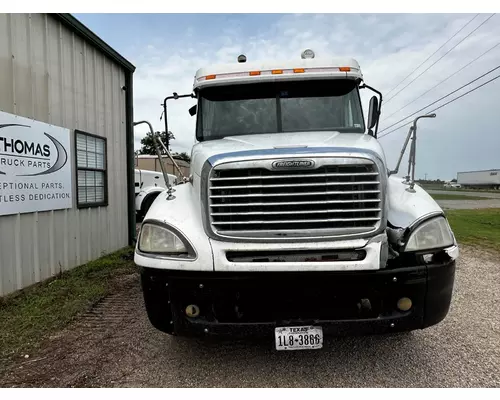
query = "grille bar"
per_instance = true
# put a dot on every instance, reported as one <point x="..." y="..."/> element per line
<point x="288" y="185"/>
<point x="295" y="203"/>
<point x="292" y="194"/>
<point x="321" y="211"/>
<point x="295" y="221"/>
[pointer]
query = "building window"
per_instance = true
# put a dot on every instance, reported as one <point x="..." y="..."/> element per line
<point x="91" y="169"/>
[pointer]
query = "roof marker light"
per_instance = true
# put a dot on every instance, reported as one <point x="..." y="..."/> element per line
<point x="254" y="73"/>
<point x="277" y="71"/>
<point x="299" y="70"/>
<point x="210" y="77"/>
<point x="345" y="69"/>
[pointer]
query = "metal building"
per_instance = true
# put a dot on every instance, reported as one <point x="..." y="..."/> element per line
<point x="152" y="163"/>
<point x="66" y="148"/>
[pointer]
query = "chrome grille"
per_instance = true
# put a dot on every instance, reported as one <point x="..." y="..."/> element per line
<point x="327" y="201"/>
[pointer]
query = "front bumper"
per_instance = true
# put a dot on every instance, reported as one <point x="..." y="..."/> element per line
<point x="253" y="304"/>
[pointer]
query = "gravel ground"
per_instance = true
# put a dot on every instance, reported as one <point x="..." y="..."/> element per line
<point x="468" y="204"/>
<point x="492" y="202"/>
<point x="489" y="195"/>
<point x="115" y="346"/>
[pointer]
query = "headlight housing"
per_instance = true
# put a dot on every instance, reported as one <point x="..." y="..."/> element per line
<point x="165" y="241"/>
<point x="432" y="234"/>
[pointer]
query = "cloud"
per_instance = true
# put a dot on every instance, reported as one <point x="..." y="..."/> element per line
<point x="388" y="46"/>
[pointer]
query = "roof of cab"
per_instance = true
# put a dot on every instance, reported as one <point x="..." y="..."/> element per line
<point x="240" y="72"/>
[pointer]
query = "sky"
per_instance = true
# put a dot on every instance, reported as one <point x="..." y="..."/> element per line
<point x="167" y="49"/>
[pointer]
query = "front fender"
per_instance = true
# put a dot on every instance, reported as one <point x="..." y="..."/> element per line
<point x="404" y="207"/>
<point x="145" y="192"/>
<point x="184" y="214"/>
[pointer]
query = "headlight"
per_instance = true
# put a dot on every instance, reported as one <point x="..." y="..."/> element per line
<point x="163" y="241"/>
<point x="432" y="234"/>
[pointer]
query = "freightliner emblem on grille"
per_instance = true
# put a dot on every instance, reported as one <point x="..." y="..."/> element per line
<point x="293" y="164"/>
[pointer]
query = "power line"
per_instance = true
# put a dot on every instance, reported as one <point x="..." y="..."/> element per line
<point x="444" y="80"/>
<point x="428" y="58"/>
<point x="440" y="58"/>
<point x="445" y="104"/>
<point x="442" y="98"/>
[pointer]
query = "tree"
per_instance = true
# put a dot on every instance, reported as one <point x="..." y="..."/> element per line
<point x="147" y="144"/>
<point x="183" y="156"/>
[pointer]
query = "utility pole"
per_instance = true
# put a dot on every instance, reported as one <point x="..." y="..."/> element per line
<point x="426" y="176"/>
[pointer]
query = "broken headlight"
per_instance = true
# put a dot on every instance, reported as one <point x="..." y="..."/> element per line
<point x="432" y="234"/>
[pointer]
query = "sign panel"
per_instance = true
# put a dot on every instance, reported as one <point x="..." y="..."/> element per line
<point x="35" y="166"/>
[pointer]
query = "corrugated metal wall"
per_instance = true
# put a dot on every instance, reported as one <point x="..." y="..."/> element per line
<point x="50" y="74"/>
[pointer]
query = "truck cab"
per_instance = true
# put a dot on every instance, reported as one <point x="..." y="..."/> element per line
<point x="292" y="225"/>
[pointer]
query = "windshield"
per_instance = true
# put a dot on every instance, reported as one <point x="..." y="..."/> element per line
<point x="329" y="105"/>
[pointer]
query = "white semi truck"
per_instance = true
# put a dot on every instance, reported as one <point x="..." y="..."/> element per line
<point x="292" y="225"/>
<point x="486" y="179"/>
<point x="148" y="185"/>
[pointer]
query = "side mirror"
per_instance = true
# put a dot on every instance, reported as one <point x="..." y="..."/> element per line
<point x="192" y="110"/>
<point x="373" y="112"/>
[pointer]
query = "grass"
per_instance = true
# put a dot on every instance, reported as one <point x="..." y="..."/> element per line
<point x="476" y="227"/>
<point x="449" y="196"/>
<point x="30" y="315"/>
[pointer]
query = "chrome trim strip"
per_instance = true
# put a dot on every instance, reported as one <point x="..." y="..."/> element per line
<point x="424" y="218"/>
<point x="311" y="152"/>
<point x="295" y="176"/>
<point x="341" y="234"/>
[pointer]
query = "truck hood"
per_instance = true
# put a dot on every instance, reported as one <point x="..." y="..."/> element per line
<point x="295" y="141"/>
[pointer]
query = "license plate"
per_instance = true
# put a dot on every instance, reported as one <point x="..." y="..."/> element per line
<point x="298" y="337"/>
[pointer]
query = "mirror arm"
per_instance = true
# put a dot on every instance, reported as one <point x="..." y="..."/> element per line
<point x="364" y="85"/>
<point x="395" y="171"/>
<point x="170" y="156"/>
<point x="170" y="189"/>
<point x="174" y="96"/>
<point x="412" y="134"/>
